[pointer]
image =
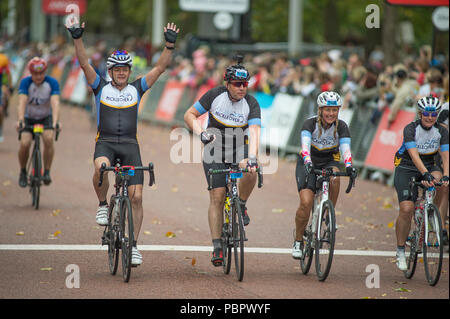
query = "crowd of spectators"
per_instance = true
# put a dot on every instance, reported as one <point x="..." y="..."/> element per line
<point x="358" y="80"/>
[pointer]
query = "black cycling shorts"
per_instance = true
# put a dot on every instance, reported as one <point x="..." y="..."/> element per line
<point x="300" y="174"/>
<point x="46" y="121"/>
<point x="220" y="180"/>
<point x="402" y="176"/>
<point x="128" y="153"/>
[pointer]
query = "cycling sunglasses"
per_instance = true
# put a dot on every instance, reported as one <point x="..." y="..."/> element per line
<point x="239" y="84"/>
<point x="426" y="114"/>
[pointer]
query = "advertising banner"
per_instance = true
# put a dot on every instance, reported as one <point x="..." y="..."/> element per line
<point x="170" y="99"/>
<point x="388" y="140"/>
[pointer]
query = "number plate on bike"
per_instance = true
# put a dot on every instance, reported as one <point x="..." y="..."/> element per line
<point x="38" y="128"/>
<point x="236" y="175"/>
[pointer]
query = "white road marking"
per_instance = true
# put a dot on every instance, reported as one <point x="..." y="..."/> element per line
<point x="259" y="250"/>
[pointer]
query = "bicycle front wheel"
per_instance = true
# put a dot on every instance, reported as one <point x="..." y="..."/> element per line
<point x="226" y="247"/>
<point x="433" y="249"/>
<point x="111" y="233"/>
<point x="238" y="239"/>
<point x="324" y="243"/>
<point x="36" y="178"/>
<point x="126" y="236"/>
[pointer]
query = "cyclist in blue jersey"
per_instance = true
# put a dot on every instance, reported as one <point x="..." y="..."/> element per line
<point x="39" y="99"/>
<point x="117" y="105"/>
<point x="422" y="140"/>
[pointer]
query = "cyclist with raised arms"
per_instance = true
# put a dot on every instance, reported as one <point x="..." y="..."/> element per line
<point x="324" y="138"/>
<point x="232" y="136"/>
<point x="117" y="105"/>
<point x="422" y="140"/>
<point x="39" y="99"/>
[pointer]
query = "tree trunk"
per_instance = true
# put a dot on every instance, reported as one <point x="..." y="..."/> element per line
<point x="331" y="22"/>
<point x="388" y="34"/>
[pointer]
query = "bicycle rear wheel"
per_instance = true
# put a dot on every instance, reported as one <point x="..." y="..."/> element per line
<point x="324" y="244"/>
<point x="126" y="236"/>
<point x="411" y="253"/>
<point x="226" y="247"/>
<point x="36" y="178"/>
<point x="238" y="239"/>
<point x="308" y="251"/>
<point x="433" y="249"/>
<point x="111" y="233"/>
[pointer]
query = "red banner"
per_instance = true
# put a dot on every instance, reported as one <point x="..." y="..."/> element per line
<point x="168" y="103"/>
<point x="71" y="82"/>
<point x="425" y="3"/>
<point x="58" y="7"/>
<point x="387" y="141"/>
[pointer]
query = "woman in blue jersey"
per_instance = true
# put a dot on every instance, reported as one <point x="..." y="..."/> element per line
<point x="324" y="138"/>
<point x="422" y="140"/>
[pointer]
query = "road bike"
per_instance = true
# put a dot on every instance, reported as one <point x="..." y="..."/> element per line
<point x="233" y="229"/>
<point x="119" y="232"/>
<point x="35" y="171"/>
<point x="426" y="235"/>
<point x="320" y="233"/>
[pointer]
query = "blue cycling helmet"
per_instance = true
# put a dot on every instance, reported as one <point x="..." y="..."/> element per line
<point x="119" y="58"/>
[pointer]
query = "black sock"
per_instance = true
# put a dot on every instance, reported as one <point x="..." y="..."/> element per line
<point x="217" y="243"/>
<point x="23" y="170"/>
<point x="46" y="172"/>
<point x="104" y="203"/>
<point x="243" y="202"/>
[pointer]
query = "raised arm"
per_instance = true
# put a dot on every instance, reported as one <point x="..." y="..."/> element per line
<point x="80" y="51"/>
<point x="170" y="35"/>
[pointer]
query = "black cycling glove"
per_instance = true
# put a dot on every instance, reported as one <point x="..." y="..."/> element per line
<point x="252" y="162"/>
<point x="206" y="137"/>
<point x="170" y="36"/>
<point x="309" y="168"/>
<point x="444" y="179"/>
<point x="427" y="177"/>
<point x="76" y="32"/>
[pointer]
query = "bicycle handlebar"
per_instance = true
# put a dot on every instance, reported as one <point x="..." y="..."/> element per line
<point x="212" y="172"/>
<point x="413" y="182"/>
<point x="119" y="168"/>
<point x="328" y="172"/>
<point x="30" y="127"/>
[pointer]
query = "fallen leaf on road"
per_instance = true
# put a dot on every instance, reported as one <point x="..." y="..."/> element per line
<point x="401" y="290"/>
<point x="402" y="297"/>
<point x="384" y="295"/>
<point x="400" y="282"/>
<point x="156" y="221"/>
<point x="278" y="210"/>
<point x="46" y="269"/>
<point x="338" y="213"/>
<point x="146" y="232"/>
<point x="391" y="224"/>
<point x="170" y="234"/>
<point x="56" y="212"/>
<point x="348" y="219"/>
<point x="194" y="261"/>
<point x="20" y="233"/>
<point x="7" y="183"/>
<point x="56" y="233"/>
<point x="174" y="189"/>
<point x="350" y="238"/>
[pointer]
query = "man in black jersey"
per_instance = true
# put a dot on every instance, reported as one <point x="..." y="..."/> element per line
<point x="117" y="105"/>
<point x="232" y="136"/>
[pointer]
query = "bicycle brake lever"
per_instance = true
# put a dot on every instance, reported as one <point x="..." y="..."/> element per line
<point x="260" y="178"/>
<point x="210" y="179"/>
<point x="152" y="174"/>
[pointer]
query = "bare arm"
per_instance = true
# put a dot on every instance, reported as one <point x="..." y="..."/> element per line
<point x="190" y="118"/>
<point x="164" y="60"/>
<point x="21" y="109"/>
<point x="83" y="59"/>
<point x="54" y="102"/>
<point x="255" y="133"/>
<point x="445" y="159"/>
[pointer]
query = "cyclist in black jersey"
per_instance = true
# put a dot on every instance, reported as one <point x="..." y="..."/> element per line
<point x="232" y="136"/>
<point x="422" y="140"/>
<point x="117" y="105"/>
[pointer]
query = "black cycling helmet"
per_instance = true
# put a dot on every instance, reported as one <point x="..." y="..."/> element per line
<point x="236" y="72"/>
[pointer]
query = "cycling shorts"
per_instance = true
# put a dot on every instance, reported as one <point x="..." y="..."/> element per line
<point x="220" y="180"/>
<point x="128" y="153"/>
<point x="402" y="176"/>
<point x="46" y="121"/>
<point x="300" y="174"/>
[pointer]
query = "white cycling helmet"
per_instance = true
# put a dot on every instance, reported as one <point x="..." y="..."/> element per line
<point x="429" y="104"/>
<point x="119" y="58"/>
<point x="329" y="98"/>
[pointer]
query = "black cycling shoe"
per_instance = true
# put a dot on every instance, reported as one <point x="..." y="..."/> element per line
<point x="445" y="237"/>
<point x="217" y="258"/>
<point x="23" y="179"/>
<point x="245" y="216"/>
<point x="46" y="178"/>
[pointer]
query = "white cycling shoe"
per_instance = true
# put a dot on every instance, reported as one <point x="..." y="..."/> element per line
<point x="136" y="257"/>
<point x="401" y="262"/>
<point x="297" y="252"/>
<point x="102" y="216"/>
